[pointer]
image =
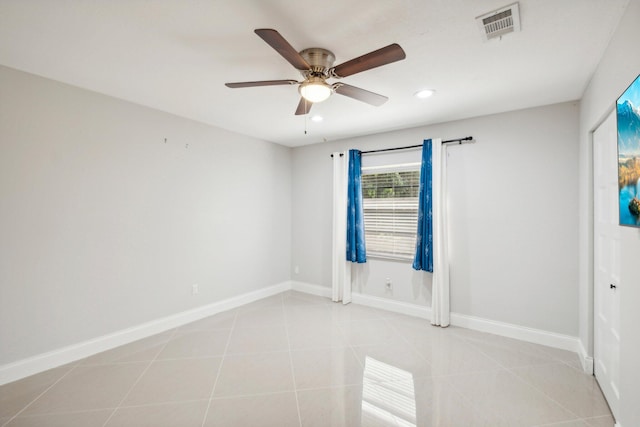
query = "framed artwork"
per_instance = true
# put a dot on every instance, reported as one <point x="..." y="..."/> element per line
<point x="628" y="123"/>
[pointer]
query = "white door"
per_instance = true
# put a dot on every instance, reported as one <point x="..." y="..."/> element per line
<point x="606" y="261"/>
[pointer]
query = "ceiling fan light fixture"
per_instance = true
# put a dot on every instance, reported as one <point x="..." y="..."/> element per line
<point x="315" y="90"/>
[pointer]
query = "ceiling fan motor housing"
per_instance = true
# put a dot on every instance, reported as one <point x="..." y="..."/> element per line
<point x="321" y="60"/>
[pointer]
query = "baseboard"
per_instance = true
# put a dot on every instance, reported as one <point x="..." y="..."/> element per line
<point x="392" y="305"/>
<point x="42" y="362"/>
<point x="585" y="359"/>
<point x="26" y="367"/>
<point x="308" y="288"/>
<point x="523" y="333"/>
<point x="368" y="300"/>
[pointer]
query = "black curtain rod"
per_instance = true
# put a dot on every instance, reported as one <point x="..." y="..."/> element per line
<point x="459" y="141"/>
<point x="449" y="141"/>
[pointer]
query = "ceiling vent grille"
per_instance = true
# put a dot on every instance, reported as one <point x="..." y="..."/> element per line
<point x="499" y="22"/>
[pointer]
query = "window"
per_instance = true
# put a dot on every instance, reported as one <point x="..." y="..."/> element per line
<point x="390" y="202"/>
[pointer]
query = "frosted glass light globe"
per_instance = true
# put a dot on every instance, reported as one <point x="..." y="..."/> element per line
<point x="315" y="90"/>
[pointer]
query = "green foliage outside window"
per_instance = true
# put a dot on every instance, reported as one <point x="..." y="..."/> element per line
<point x="391" y="184"/>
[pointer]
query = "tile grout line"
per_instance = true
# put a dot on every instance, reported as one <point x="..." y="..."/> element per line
<point x="443" y="376"/>
<point x="353" y="351"/>
<point x="561" y="423"/>
<point x="552" y="360"/>
<point x="447" y="375"/>
<point x="537" y="389"/>
<point x="293" y="374"/>
<point x="224" y="356"/>
<point x="411" y="345"/>
<point x="502" y="368"/>
<point x="173" y="334"/>
<point x="77" y="363"/>
<point x="341" y="326"/>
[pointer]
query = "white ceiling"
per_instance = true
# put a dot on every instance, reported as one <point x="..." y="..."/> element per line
<point x="176" y="55"/>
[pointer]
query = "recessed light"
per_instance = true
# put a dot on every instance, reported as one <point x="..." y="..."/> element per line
<point x="424" y="93"/>
<point x="316" y="118"/>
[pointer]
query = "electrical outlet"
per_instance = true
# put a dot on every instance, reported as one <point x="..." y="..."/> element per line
<point x="388" y="283"/>
<point x="194" y="289"/>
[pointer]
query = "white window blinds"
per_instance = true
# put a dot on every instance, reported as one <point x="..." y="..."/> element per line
<point x="390" y="200"/>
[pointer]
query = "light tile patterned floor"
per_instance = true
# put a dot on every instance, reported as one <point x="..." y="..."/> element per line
<point x="299" y="360"/>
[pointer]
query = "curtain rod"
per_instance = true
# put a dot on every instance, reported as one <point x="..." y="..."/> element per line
<point x="449" y="141"/>
<point x="458" y="140"/>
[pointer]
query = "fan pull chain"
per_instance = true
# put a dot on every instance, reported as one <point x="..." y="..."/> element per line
<point x="305" y="115"/>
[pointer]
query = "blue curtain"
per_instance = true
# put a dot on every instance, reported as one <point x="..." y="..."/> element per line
<point x="423" y="259"/>
<point x="356" y="251"/>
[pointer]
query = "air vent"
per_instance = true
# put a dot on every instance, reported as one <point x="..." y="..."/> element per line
<point x="499" y="22"/>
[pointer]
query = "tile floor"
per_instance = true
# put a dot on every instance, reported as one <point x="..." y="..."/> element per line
<point x="299" y="360"/>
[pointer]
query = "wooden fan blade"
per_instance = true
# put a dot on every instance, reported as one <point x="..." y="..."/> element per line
<point x="261" y="83"/>
<point x="304" y="107"/>
<point x="383" y="56"/>
<point x="360" y="94"/>
<point x="276" y="41"/>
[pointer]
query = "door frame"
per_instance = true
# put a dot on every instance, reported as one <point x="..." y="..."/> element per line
<point x="587" y="348"/>
<point x="607" y="137"/>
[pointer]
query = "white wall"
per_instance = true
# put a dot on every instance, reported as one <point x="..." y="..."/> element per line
<point x="105" y="226"/>
<point x="513" y="208"/>
<point x="619" y="66"/>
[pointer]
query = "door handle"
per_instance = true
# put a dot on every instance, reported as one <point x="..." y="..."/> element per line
<point x="612" y="286"/>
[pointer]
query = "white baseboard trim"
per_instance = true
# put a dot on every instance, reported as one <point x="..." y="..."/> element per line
<point x="308" y="288"/>
<point x="585" y="359"/>
<point x="368" y="300"/>
<point x="523" y="333"/>
<point x="42" y="362"/>
<point x="32" y="365"/>
<point x="392" y="305"/>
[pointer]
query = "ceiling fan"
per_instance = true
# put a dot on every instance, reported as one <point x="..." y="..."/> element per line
<point x="316" y="66"/>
